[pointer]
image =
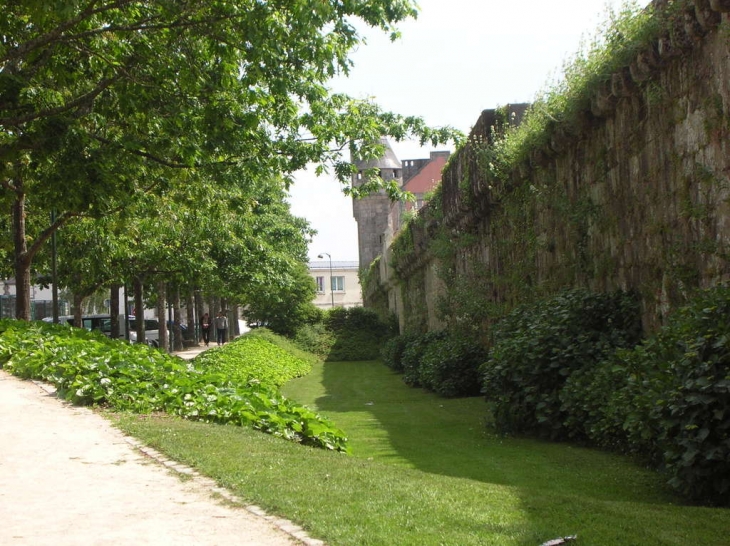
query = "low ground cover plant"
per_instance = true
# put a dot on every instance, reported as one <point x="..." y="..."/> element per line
<point x="88" y="368"/>
<point x="255" y="357"/>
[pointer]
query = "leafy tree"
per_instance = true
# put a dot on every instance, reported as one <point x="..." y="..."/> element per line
<point x="101" y="100"/>
<point x="260" y="251"/>
<point x="286" y="305"/>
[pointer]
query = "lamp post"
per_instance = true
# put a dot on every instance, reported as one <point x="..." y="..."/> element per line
<point x="332" y="286"/>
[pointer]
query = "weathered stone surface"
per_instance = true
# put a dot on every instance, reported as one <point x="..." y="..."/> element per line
<point x="651" y="166"/>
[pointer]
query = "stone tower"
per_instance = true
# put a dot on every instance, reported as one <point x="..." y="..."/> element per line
<point x="372" y="213"/>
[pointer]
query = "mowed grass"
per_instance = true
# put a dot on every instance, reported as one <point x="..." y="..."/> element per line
<point x="427" y="471"/>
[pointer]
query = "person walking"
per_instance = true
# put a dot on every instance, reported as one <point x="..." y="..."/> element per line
<point x="221" y="327"/>
<point x="205" y="328"/>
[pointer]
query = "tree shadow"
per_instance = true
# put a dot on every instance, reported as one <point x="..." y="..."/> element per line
<point x="452" y="437"/>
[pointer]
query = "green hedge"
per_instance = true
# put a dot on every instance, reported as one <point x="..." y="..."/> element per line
<point x="392" y="352"/>
<point x="450" y="366"/>
<point x="537" y="347"/>
<point x="442" y="362"/>
<point x="413" y="356"/>
<point x="558" y="369"/>
<point x="344" y="334"/>
<point x="674" y="402"/>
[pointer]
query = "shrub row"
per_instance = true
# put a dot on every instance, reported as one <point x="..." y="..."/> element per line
<point x="666" y="399"/>
<point x="537" y="347"/>
<point x="88" y="368"/>
<point x="442" y="362"/>
<point x="344" y="334"/>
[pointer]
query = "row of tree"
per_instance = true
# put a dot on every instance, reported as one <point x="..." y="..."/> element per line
<point x="216" y="242"/>
<point x="161" y="135"/>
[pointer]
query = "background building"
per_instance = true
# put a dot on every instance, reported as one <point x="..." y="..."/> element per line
<point x="338" y="285"/>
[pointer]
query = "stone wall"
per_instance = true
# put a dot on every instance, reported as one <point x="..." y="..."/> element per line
<point x="635" y="196"/>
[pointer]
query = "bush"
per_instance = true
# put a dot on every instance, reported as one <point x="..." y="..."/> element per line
<point x="685" y="397"/>
<point x="315" y="338"/>
<point x="413" y="355"/>
<point x="353" y="345"/>
<point x="356" y="319"/>
<point x="392" y="351"/>
<point x="666" y="400"/>
<point x="537" y="347"/>
<point x="358" y="334"/>
<point x="450" y="366"/>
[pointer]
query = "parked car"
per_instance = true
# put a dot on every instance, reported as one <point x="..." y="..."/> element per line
<point x="103" y="323"/>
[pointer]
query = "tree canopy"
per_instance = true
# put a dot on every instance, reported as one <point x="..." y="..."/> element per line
<point x="102" y="100"/>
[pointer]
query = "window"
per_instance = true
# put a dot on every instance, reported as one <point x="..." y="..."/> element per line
<point x="338" y="284"/>
<point x="320" y="284"/>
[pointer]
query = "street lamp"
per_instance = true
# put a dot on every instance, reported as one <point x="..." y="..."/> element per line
<point x="332" y="285"/>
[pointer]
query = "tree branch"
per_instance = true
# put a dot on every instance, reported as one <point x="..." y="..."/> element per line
<point x="46" y="233"/>
<point x="43" y="41"/>
<point x="77" y="102"/>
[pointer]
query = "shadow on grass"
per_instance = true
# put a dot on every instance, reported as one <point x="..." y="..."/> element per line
<point x="388" y="420"/>
<point x="561" y="489"/>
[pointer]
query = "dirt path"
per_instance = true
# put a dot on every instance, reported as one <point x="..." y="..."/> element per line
<point x="67" y="477"/>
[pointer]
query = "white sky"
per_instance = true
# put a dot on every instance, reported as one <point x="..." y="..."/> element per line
<point x="458" y="58"/>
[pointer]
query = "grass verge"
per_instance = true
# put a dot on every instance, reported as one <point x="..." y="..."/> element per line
<point x="426" y="471"/>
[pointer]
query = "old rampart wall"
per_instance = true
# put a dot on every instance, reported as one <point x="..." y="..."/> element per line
<point x="633" y="196"/>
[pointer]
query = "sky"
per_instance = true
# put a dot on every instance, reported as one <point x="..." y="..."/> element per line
<point x="457" y="58"/>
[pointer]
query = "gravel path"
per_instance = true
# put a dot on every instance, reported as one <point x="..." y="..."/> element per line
<point x="67" y="477"/>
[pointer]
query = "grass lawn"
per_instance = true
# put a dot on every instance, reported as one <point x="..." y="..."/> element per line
<point x="427" y="471"/>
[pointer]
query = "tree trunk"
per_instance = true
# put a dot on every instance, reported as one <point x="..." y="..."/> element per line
<point x="234" y="328"/>
<point x="199" y="303"/>
<point x="214" y="304"/>
<point x="199" y="310"/>
<point x="190" y="318"/>
<point x="161" y="305"/>
<point x="139" y="310"/>
<point x="114" y="310"/>
<point x="22" y="258"/>
<point x="177" y="337"/>
<point x="78" y="310"/>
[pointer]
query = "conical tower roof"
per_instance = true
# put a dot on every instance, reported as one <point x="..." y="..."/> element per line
<point x="388" y="161"/>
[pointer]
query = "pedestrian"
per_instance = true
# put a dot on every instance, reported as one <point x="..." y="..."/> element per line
<point x="205" y="328"/>
<point x="221" y="326"/>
